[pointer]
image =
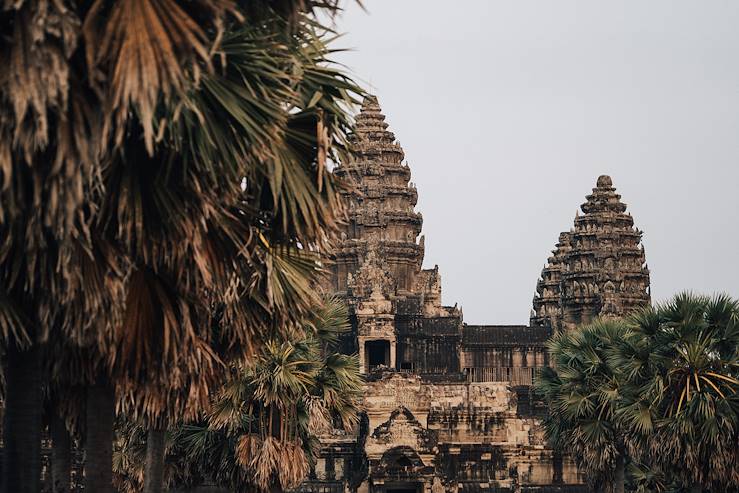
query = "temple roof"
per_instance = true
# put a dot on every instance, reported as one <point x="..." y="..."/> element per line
<point x="504" y="335"/>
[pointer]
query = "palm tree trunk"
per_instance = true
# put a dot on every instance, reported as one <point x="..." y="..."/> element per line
<point x="619" y="479"/>
<point x="61" y="455"/>
<point x="155" y="448"/>
<point x="23" y="421"/>
<point x="100" y="414"/>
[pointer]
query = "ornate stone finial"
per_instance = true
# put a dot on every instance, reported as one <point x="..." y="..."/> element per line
<point x="370" y="99"/>
<point x="604" y="181"/>
<point x="604" y="198"/>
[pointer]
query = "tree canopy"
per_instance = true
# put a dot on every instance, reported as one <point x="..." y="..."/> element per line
<point x="660" y="387"/>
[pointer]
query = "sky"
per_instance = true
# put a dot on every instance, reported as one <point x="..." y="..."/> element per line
<point x="508" y="111"/>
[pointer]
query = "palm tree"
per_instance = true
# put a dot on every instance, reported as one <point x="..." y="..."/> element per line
<point x="260" y="431"/>
<point x="680" y="365"/>
<point x="582" y="391"/>
<point x="153" y="140"/>
<point x="289" y="271"/>
<point x="49" y="144"/>
<point x="22" y="421"/>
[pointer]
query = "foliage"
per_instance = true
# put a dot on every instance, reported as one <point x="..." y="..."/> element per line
<point x="583" y="391"/>
<point x="681" y="408"/>
<point x="159" y="158"/>
<point x="163" y="188"/>
<point x="663" y="382"/>
<point x="264" y="420"/>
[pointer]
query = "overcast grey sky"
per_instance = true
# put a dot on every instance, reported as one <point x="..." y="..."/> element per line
<point x="509" y="111"/>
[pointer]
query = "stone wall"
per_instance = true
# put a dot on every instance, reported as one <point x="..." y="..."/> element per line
<point x="442" y="436"/>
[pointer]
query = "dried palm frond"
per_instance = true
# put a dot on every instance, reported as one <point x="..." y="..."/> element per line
<point x="49" y="121"/>
<point x="267" y="462"/>
<point x="148" y="50"/>
<point x="156" y="325"/>
<point x="36" y="81"/>
<point x="12" y="323"/>
<point x="294" y="465"/>
<point x="319" y="417"/>
<point x="246" y="452"/>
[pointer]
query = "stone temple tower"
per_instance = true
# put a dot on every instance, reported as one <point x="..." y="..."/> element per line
<point x="597" y="269"/>
<point x="395" y="305"/>
<point x="382" y="219"/>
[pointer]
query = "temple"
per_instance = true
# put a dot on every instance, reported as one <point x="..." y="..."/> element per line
<point x="449" y="406"/>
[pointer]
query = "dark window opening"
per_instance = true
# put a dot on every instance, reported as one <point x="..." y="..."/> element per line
<point x="403" y="462"/>
<point x="377" y="354"/>
<point x="330" y="470"/>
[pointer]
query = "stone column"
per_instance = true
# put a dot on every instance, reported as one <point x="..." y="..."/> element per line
<point x="517" y="358"/>
<point x="539" y="358"/>
<point x="393" y="345"/>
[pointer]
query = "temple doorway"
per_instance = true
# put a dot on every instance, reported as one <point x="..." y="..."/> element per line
<point x="377" y="353"/>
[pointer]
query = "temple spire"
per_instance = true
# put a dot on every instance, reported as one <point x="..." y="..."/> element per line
<point x="547" y="309"/>
<point x="602" y="271"/>
<point x="381" y="205"/>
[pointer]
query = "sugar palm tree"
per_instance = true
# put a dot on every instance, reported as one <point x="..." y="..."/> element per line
<point x="50" y="142"/>
<point x="681" y="403"/>
<point x="140" y="147"/>
<point x="271" y="277"/>
<point x="582" y="391"/>
<point x="261" y="430"/>
<point x="65" y="408"/>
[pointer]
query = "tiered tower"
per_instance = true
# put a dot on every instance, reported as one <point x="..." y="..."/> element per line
<point x="381" y="207"/>
<point x="377" y="262"/>
<point x="547" y="309"/>
<point x="601" y="265"/>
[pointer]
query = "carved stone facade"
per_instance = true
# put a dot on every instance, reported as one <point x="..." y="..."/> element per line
<point x="449" y="406"/>
<point x="598" y="268"/>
